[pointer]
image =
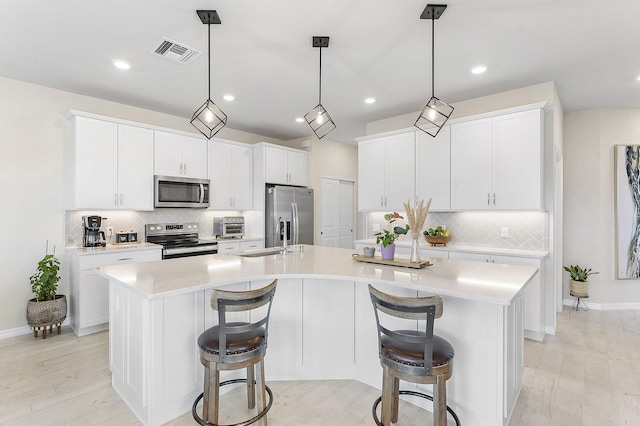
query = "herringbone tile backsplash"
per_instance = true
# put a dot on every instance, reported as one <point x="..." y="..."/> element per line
<point x="528" y="230"/>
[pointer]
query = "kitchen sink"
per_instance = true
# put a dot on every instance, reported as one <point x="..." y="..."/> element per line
<point x="270" y="251"/>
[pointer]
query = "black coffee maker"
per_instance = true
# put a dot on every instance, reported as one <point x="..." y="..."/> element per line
<point x="93" y="237"/>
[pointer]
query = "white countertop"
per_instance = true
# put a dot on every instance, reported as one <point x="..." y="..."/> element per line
<point x="539" y="254"/>
<point x="111" y="248"/>
<point x="488" y="282"/>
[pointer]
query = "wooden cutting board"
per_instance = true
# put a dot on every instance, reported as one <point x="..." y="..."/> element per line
<point x="405" y="263"/>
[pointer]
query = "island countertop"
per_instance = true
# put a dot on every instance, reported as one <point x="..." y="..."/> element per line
<point x="487" y="282"/>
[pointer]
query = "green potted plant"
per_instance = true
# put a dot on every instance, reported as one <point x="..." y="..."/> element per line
<point x="387" y="237"/>
<point x="48" y="308"/>
<point x="579" y="276"/>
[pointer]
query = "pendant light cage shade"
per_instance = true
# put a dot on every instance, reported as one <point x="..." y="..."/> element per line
<point x="209" y="119"/>
<point x="320" y="121"/>
<point x="433" y="116"/>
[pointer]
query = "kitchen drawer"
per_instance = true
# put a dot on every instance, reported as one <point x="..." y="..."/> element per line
<point x="108" y="259"/>
<point x="232" y="247"/>
<point x="251" y="245"/>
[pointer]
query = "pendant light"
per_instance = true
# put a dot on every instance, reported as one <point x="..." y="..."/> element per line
<point x="209" y="119"/>
<point x="436" y="112"/>
<point x="318" y="118"/>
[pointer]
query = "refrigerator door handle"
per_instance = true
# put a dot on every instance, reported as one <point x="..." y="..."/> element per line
<point x="296" y="223"/>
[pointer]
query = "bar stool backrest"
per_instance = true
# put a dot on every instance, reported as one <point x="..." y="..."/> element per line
<point x="225" y="301"/>
<point x="425" y="309"/>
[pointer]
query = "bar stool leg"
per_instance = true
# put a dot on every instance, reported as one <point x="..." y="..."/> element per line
<point x="251" y="390"/>
<point x="262" y="397"/>
<point x="440" y="402"/>
<point x="387" y="397"/>
<point x="396" y="399"/>
<point x="211" y="394"/>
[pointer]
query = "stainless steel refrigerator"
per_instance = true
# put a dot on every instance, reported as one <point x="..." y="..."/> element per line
<point x="295" y="206"/>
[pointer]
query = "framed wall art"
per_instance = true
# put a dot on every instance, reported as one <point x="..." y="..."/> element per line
<point x="627" y="211"/>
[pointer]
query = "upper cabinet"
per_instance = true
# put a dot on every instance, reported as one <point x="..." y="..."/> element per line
<point x="433" y="177"/>
<point x="109" y="166"/>
<point x="286" y="166"/>
<point x="496" y="163"/>
<point x="177" y="155"/>
<point x="386" y="172"/>
<point x="231" y="176"/>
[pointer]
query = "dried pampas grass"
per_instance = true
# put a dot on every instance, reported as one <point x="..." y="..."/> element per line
<point x="417" y="216"/>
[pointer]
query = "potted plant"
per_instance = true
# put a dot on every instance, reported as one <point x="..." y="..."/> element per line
<point x="47" y="308"/>
<point x="387" y="237"/>
<point x="579" y="285"/>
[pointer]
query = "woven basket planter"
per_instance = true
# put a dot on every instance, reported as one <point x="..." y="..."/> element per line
<point x="47" y="312"/>
<point x="579" y="289"/>
<point x="433" y="240"/>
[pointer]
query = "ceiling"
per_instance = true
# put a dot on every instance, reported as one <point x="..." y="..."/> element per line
<point x="262" y="54"/>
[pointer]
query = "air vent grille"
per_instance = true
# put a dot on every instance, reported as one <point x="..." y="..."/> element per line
<point x="177" y="52"/>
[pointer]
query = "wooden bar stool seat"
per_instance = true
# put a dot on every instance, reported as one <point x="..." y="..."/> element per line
<point x="410" y="354"/>
<point x="235" y="345"/>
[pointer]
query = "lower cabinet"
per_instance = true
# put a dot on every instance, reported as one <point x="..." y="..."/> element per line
<point x="89" y="292"/>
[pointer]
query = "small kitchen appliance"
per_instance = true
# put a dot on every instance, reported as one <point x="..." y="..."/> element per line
<point x="228" y="226"/>
<point x="93" y="237"/>
<point x="178" y="239"/>
<point x="171" y="191"/>
<point x="128" y="237"/>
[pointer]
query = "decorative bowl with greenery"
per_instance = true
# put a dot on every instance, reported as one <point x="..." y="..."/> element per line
<point x="578" y="273"/>
<point x="386" y="237"/>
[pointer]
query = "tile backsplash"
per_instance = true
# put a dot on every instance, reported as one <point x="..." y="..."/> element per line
<point x="528" y="230"/>
<point x="135" y="221"/>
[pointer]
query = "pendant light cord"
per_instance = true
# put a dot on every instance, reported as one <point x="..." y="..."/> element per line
<point x="320" y="80"/>
<point x="433" y="60"/>
<point x="209" y="58"/>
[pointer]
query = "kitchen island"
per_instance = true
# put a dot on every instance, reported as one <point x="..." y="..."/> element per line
<point x="322" y="325"/>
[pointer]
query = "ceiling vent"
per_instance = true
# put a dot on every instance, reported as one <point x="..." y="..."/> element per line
<point x="175" y="51"/>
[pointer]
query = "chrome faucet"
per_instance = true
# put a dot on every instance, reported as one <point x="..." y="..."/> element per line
<point x="282" y="230"/>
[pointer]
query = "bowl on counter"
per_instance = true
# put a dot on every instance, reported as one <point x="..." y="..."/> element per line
<point x="435" y="240"/>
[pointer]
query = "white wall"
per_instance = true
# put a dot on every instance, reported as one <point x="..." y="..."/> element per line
<point x="589" y="221"/>
<point x="32" y="131"/>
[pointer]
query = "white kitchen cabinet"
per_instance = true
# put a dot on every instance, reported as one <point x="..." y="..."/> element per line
<point x="496" y="163"/>
<point x="533" y="294"/>
<point x="239" y="246"/>
<point x="251" y="245"/>
<point x="110" y="166"/>
<point x="287" y="167"/>
<point x="89" y="292"/>
<point x="231" y="176"/>
<point x="178" y="155"/>
<point x="433" y="169"/>
<point x="386" y="177"/>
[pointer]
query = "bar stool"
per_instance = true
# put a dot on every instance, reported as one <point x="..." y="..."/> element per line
<point x="236" y="345"/>
<point x="411" y="355"/>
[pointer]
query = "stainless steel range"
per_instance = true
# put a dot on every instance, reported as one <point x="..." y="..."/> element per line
<point x="179" y="239"/>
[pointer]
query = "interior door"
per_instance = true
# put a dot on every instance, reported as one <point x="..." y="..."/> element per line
<point x="329" y="212"/>
<point x="345" y="214"/>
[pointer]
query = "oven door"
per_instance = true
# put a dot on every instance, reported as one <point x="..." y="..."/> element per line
<point x="176" y="252"/>
<point x="171" y="191"/>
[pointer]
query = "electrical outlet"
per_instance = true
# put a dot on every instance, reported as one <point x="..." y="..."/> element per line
<point x="376" y="227"/>
<point x="109" y="231"/>
<point x="504" y="232"/>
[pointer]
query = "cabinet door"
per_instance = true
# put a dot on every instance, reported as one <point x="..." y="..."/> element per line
<point x="242" y="177"/>
<point x="476" y="257"/>
<point x="229" y="247"/>
<point x="135" y="168"/>
<point x="276" y="168"/>
<point x="220" y="169"/>
<point x="471" y="166"/>
<point x="371" y="175"/>
<point x="533" y="296"/>
<point x="517" y="173"/>
<point x="433" y="168"/>
<point x="167" y="154"/>
<point x="94" y="297"/>
<point x="297" y="165"/>
<point x="399" y="171"/>
<point x="251" y="245"/>
<point x="194" y="157"/>
<point x="96" y="179"/>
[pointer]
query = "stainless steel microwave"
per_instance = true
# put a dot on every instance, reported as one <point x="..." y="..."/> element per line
<point x="172" y="191"/>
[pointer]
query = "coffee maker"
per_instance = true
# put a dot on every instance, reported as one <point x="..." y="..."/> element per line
<point x="93" y="237"/>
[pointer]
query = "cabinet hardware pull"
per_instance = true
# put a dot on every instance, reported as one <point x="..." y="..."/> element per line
<point x="488" y="198"/>
<point x="185" y="169"/>
<point x="180" y="168"/>
<point x="115" y="199"/>
<point x="125" y="258"/>
<point x="494" y="198"/>
<point x="121" y="198"/>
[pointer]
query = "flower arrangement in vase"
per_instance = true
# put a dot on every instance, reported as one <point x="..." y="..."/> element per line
<point x="387" y="237"/>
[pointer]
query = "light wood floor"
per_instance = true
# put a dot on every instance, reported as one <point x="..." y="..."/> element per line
<point x="588" y="374"/>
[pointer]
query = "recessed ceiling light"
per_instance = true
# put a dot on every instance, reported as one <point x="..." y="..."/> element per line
<point x="121" y="64"/>
<point x="228" y="97"/>
<point x="369" y="100"/>
<point x="638" y="78"/>
<point x="299" y="119"/>
<point x="479" y="69"/>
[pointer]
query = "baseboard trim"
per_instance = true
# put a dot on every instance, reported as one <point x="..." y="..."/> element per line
<point x="550" y="330"/>
<point x="20" y="331"/>
<point x="604" y="306"/>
